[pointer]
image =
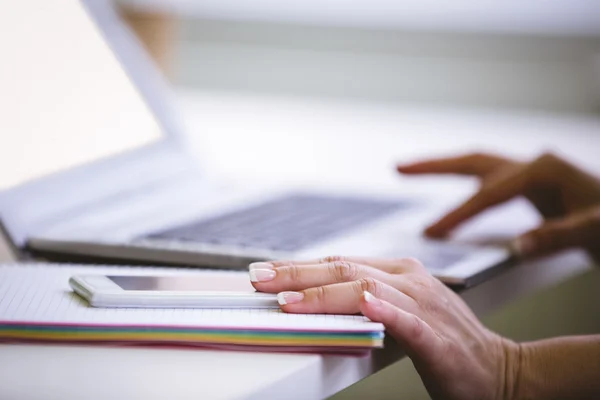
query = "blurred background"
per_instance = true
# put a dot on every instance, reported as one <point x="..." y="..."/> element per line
<point x="335" y="92"/>
<point x="259" y="80"/>
<point x="521" y="56"/>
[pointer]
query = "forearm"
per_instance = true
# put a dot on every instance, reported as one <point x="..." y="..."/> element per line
<point x="560" y="368"/>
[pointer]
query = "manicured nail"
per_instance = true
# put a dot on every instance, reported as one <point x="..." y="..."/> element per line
<point x="260" y="265"/>
<point x="289" y="297"/>
<point x="369" y="298"/>
<point x="261" y="275"/>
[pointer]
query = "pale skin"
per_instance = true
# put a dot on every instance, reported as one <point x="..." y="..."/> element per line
<point x="455" y="355"/>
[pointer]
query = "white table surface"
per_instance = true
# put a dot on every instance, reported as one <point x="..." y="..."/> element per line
<point x="294" y="141"/>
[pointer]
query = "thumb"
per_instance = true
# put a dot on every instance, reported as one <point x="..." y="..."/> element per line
<point x="577" y="230"/>
<point x="420" y="341"/>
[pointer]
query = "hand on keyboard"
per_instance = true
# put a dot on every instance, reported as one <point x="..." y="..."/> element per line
<point x="566" y="196"/>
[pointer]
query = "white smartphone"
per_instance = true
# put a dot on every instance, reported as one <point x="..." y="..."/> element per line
<point x="170" y="292"/>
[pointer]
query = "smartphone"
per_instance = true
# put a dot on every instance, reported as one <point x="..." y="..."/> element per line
<point x="224" y="291"/>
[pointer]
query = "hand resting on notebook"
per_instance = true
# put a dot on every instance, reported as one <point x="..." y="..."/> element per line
<point x="455" y="355"/>
<point x="567" y="197"/>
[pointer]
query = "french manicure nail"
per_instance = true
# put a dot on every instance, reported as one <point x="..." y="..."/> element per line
<point x="289" y="297"/>
<point x="369" y="298"/>
<point x="260" y="265"/>
<point x="261" y="275"/>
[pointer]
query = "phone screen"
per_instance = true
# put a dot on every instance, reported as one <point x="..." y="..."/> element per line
<point x="224" y="283"/>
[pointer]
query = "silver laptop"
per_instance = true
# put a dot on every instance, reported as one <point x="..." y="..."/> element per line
<point x="94" y="168"/>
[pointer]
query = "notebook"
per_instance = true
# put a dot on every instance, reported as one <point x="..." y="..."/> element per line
<point x="37" y="304"/>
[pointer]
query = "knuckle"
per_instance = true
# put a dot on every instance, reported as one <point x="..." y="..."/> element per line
<point x="549" y="167"/>
<point x="416" y="326"/>
<point x="331" y="259"/>
<point x="370" y="285"/>
<point x="550" y="160"/>
<point x="343" y="271"/>
<point x="407" y="264"/>
<point x="279" y="263"/>
<point x="433" y="305"/>
<point x="547" y="156"/>
<point x="421" y="283"/>
<point x="283" y="263"/>
<point x="293" y="272"/>
<point x="321" y="294"/>
<point x="411" y="262"/>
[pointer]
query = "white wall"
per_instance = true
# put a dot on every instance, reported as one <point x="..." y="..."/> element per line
<point x="540" y="71"/>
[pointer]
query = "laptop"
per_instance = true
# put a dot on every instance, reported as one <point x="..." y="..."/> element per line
<point x="119" y="185"/>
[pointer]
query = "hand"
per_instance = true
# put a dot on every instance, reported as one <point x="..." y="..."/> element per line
<point x="455" y="355"/>
<point x="567" y="197"/>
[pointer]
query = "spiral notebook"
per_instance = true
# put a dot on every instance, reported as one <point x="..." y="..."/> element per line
<point x="37" y="304"/>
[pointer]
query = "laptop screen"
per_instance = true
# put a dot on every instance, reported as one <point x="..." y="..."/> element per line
<point x="64" y="98"/>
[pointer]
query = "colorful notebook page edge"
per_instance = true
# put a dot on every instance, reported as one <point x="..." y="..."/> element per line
<point x="179" y="330"/>
<point x="369" y="340"/>
<point x="68" y="325"/>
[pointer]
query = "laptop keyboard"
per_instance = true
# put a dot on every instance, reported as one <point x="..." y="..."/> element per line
<point x="285" y="224"/>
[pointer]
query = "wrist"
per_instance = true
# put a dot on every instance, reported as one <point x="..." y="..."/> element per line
<point x="512" y="369"/>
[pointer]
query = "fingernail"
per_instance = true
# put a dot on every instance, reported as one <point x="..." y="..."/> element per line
<point x="260" y="265"/>
<point x="369" y="298"/>
<point x="289" y="297"/>
<point x="261" y="275"/>
<point x="523" y="246"/>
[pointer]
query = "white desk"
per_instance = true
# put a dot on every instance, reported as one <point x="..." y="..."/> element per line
<point x="308" y="137"/>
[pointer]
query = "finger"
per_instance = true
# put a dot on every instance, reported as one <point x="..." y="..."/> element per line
<point x="580" y="230"/>
<point x="341" y="298"/>
<point x="299" y="277"/>
<point x="471" y="164"/>
<point x="419" y="339"/>
<point x="398" y="265"/>
<point x="508" y="184"/>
